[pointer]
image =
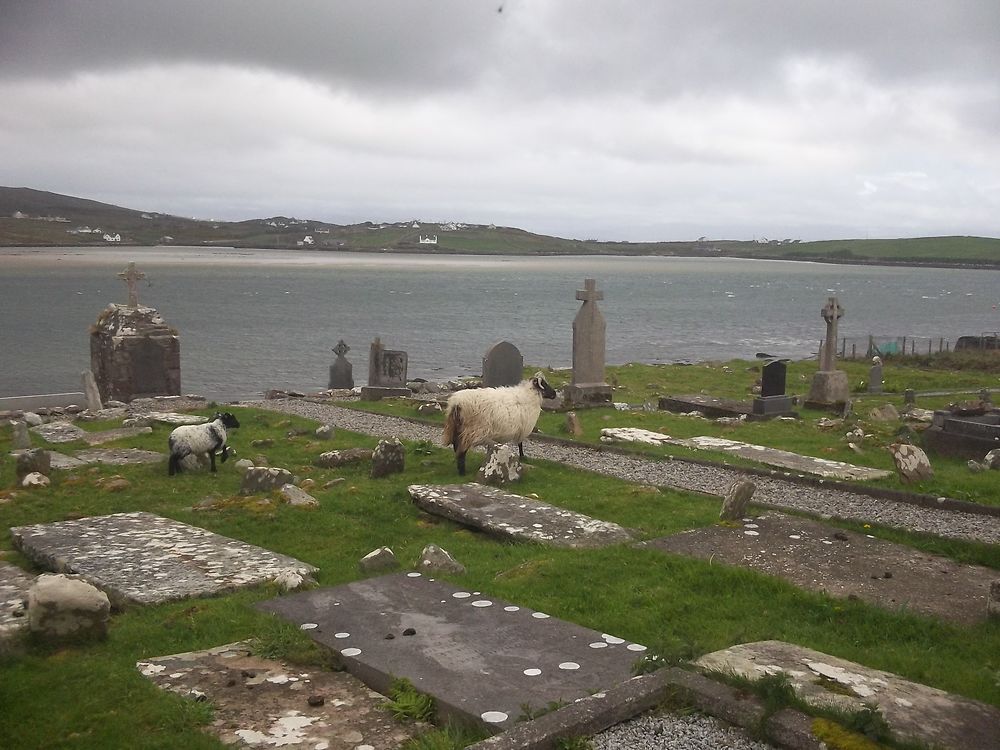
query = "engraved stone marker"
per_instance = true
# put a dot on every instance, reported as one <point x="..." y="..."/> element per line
<point x="589" y="330"/>
<point x="386" y="373"/>
<point x="829" y="386"/>
<point x="502" y="365"/>
<point x="131" y="275"/>
<point x="772" y="401"/>
<point x="341" y="371"/>
<point x="91" y="391"/>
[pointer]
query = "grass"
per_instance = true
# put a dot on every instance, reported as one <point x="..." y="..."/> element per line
<point x="679" y="607"/>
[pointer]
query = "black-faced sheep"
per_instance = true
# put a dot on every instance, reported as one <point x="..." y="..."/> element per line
<point x="494" y="415"/>
<point x="200" y="440"/>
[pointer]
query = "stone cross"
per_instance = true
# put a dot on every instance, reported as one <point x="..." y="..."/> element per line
<point x="588" y="336"/>
<point x="131" y="275"/>
<point x="832" y="312"/>
<point x="341" y="348"/>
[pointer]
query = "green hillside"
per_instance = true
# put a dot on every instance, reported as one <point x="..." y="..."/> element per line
<point x="37" y="218"/>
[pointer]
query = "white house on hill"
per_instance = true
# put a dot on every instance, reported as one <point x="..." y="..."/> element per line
<point x="112" y="237"/>
<point x="431" y="239"/>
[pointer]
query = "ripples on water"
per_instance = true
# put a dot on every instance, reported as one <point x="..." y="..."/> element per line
<point x="251" y="320"/>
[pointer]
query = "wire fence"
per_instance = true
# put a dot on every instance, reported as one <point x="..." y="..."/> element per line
<point x="866" y="347"/>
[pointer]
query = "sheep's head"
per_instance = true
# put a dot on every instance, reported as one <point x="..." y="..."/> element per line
<point x="228" y="420"/>
<point x="540" y="384"/>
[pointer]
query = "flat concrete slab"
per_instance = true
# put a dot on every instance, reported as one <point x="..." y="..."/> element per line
<point x="259" y="702"/>
<point x="176" y="418"/>
<point x="762" y="454"/>
<point x="844" y="564"/>
<point x="119" y="456"/>
<point x="141" y="558"/>
<point x="913" y="711"/>
<point x="14" y="585"/>
<point x="482" y="659"/>
<point x="707" y="405"/>
<point x="511" y="516"/>
<point x="106" y="436"/>
<point x="59" y="432"/>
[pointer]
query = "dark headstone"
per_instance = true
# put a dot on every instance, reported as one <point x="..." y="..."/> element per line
<point x="502" y="365"/>
<point x="341" y="371"/>
<point x="386" y="368"/>
<point x="773" y="377"/>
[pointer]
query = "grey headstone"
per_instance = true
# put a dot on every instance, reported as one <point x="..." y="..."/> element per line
<point x="912" y="463"/>
<point x="14" y="586"/>
<point x="386" y="368"/>
<point x="389" y="457"/>
<point x="502" y="365"/>
<point x="263" y="479"/>
<point x="91" y="392"/>
<point x="875" y="379"/>
<point x="66" y="608"/>
<point x="734" y="504"/>
<point x="829" y="385"/>
<point x="20" y="438"/>
<point x="33" y="460"/>
<point x="433" y="559"/>
<point x="341" y="371"/>
<point x="909" y="396"/>
<point x="501" y="466"/>
<point x="589" y="329"/>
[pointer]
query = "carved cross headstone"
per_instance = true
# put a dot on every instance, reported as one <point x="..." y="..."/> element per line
<point x="832" y="312"/>
<point x="386" y="369"/>
<point x="341" y="371"/>
<point x="588" y="336"/>
<point x="131" y="275"/>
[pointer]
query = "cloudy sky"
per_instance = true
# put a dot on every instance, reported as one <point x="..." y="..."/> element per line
<point x="609" y="119"/>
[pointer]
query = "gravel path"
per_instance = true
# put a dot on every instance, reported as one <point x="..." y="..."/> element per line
<point x="771" y="491"/>
<point x="666" y="731"/>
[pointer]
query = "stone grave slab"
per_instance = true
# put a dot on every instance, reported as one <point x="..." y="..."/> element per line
<point x="260" y="702"/>
<point x="59" y="432"/>
<point x="175" y="418"/>
<point x="119" y="456"/>
<point x="58" y="460"/>
<point x="843" y="564"/>
<point x="822" y="467"/>
<point x="106" y="436"/>
<point x="482" y="659"/>
<point x="511" y="516"/>
<point x="142" y="558"/>
<point x="14" y="585"/>
<point x="913" y="711"/>
<point x="707" y="405"/>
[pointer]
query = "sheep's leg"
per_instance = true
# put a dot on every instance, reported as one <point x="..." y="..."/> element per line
<point x="174" y="464"/>
<point x="211" y="458"/>
<point x="520" y="450"/>
<point x="225" y="453"/>
<point x="460" y="461"/>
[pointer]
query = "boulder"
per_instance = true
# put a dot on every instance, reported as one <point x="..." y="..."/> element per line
<point x="34" y="479"/>
<point x="737" y="498"/>
<point x="430" y="408"/>
<point x="389" y="457"/>
<point x="324" y="432"/>
<point x="62" y="607"/>
<point x="33" y="461"/>
<point x="912" y="464"/>
<point x="242" y="465"/>
<point x="501" y="466"/>
<point x="20" y="437"/>
<point x="436" y="560"/>
<point x="289" y="580"/>
<point x="334" y="459"/>
<point x="884" y="413"/>
<point x="297" y="497"/>
<point x="376" y="561"/>
<point x="264" y="479"/>
<point x="32" y="418"/>
<point x="992" y="459"/>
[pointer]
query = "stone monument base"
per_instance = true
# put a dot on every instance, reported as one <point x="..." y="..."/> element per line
<point x="377" y="393"/>
<point x="773" y="406"/>
<point x="587" y="394"/>
<point x="829" y="388"/>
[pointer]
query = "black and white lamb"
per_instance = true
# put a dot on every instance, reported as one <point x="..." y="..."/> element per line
<point x="494" y="415"/>
<point x="200" y="440"/>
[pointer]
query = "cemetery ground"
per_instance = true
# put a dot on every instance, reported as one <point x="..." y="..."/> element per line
<point x="92" y="695"/>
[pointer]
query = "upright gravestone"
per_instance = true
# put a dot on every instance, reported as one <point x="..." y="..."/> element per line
<point x="91" y="391"/>
<point x="875" y="376"/>
<point x="502" y="365"/>
<point x="386" y="373"/>
<point x="341" y="371"/>
<point x="133" y="352"/>
<point x="588" y="386"/>
<point x="829" y="385"/>
<point x="773" y="401"/>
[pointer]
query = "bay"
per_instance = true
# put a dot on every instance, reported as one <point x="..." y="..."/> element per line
<point x="256" y="319"/>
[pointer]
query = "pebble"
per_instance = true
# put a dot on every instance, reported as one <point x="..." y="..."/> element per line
<point x="823" y="502"/>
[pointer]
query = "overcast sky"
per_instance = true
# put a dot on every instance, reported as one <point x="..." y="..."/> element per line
<point x="624" y="120"/>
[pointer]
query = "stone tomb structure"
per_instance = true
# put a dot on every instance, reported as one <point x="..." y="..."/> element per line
<point x="386" y="373"/>
<point x="133" y="352"/>
<point x="773" y="401"/>
<point x="141" y="558"/>
<point x="509" y="516"/>
<point x="503" y="365"/>
<point x="444" y="640"/>
<point x="341" y="371"/>
<point x="829" y="386"/>
<point x="914" y="712"/>
<point x="589" y="329"/>
<point x="963" y="436"/>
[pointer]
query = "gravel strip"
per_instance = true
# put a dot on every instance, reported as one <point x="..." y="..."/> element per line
<point x="771" y="491"/>
<point x="666" y="731"/>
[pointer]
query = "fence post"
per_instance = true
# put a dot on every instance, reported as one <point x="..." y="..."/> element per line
<point x="854" y="351"/>
<point x="904" y="346"/>
<point x="930" y="343"/>
<point x="940" y="344"/>
<point x="843" y="347"/>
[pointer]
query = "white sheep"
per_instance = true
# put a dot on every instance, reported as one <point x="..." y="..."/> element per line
<point x="200" y="439"/>
<point x="494" y="415"/>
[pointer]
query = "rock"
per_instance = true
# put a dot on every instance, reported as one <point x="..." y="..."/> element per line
<point x="500" y="466"/>
<point x="432" y="408"/>
<point x="993" y="601"/>
<point x="378" y="560"/>
<point x="262" y="443"/>
<point x="263" y="479"/>
<point x="137" y="422"/>
<point x="242" y="465"/>
<point x="307" y="484"/>
<point x="62" y="607"/>
<point x="884" y="413"/>
<point x="34" y="460"/>
<point x="825" y="422"/>
<point x="388" y="457"/>
<point x="975" y="467"/>
<point x="324" y="432"/>
<point x="912" y="464"/>
<point x="297" y="497"/>
<point x="573" y="426"/>
<point x="333" y="459"/>
<point x="260" y="460"/>
<point x="32" y="418"/>
<point x="34" y="479"/>
<point x="333" y="482"/>
<point x="289" y="580"/>
<point x="992" y="459"/>
<point x="436" y="560"/>
<point x="20" y="437"/>
<point x="736" y="500"/>
<point x="115" y="484"/>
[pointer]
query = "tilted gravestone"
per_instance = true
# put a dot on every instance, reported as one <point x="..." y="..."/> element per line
<point x="133" y="353"/>
<point x="386" y="373"/>
<point x="502" y="365"/>
<point x="341" y="371"/>
<point x="589" y="329"/>
<point x="829" y="385"/>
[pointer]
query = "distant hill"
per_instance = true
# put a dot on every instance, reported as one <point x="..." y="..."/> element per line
<point x="37" y="218"/>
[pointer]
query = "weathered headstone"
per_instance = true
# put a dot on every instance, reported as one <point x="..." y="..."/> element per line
<point x="389" y="457"/>
<point x="264" y="479"/>
<point x="911" y="462"/>
<point x="572" y="425"/>
<point x="20" y="438"/>
<point x="909" y="396"/>
<point x="91" y="391"/>
<point x="386" y="373"/>
<point x="501" y="465"/>
<point x="335" y="459"/>
<point x="341" y="371"/>
<point x="66" y="608"/>
<point x="875" y="376"/>
<point x="589" y="330"/>
<point x="734" y="504"/>
<point x="829" y="385"/>
<point x="773" y="401"/>
<point x="297" y="497"/>
<point x="433" y="559"/>
<point x="133" y="353"/>
<point x="502" y="365"/>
